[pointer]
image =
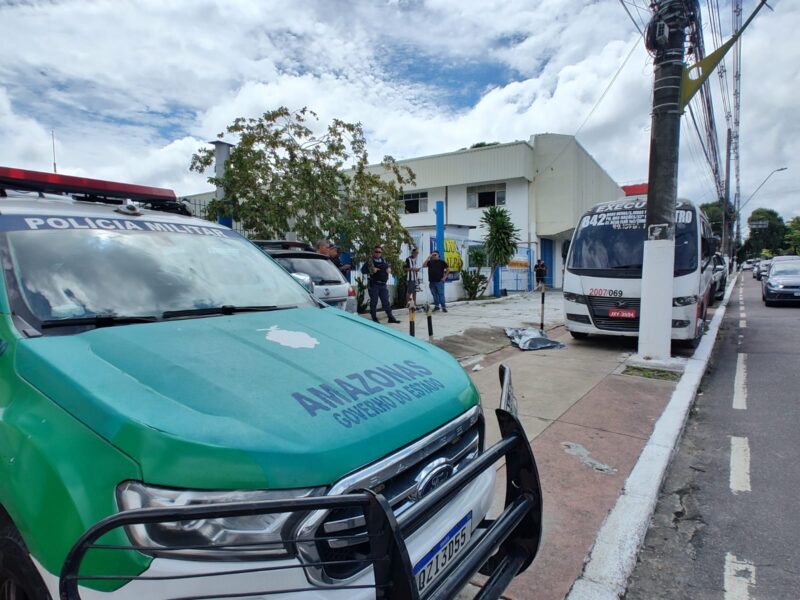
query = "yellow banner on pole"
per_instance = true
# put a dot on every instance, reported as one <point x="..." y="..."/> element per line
<point x="694" y="76"/>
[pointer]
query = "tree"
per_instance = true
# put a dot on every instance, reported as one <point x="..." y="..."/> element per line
<point x="769" y="237"/>
<point x="501" y="237"/>
<point x="792" y="236"/>
<point x="713" y="212"/>
<point x="283" y="177"/>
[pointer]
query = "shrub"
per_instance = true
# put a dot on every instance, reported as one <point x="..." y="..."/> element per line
<point x="474" y="283"/>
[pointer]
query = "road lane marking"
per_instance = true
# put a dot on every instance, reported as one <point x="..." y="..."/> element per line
<point x="740" y="464"/>
<point x="743" y="314"/>
<point x="740" y="383"/>
<point x="742" y="323"/>
<point x="739" y="575"/>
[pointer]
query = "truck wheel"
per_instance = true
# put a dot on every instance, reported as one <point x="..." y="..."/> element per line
<point x="579" y="335"/>
<point x="19" y="579"/>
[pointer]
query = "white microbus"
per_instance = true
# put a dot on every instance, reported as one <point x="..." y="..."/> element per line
<point x="603" y="272"/>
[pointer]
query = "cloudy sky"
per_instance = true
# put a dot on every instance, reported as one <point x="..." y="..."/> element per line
<point x="132" y="88"/>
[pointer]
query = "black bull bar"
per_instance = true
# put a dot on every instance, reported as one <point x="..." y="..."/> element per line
<point x="501" y="548"/>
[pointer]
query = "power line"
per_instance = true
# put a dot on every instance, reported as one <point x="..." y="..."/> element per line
<point x="635" y="23"/>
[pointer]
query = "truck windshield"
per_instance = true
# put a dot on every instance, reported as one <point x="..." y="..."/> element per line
<point x="614" y="241"/>
<point x="68" y="274"/>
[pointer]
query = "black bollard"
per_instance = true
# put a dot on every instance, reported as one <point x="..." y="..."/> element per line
<point x="541" y="325"/>
<point x="411" y="310"/>
<point x="429" y="313"/>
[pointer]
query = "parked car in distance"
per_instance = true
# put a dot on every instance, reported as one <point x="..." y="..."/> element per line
<point x="782" y="283"/>
<point x="763" y="269"/>
<point x="776" y="259"/>
<point x="719" y="276"/>
<point x="330" y="285"/>
<point x="748" y="264"/>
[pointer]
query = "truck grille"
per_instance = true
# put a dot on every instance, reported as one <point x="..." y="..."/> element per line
<point x="600" y="306"/>
<point x="340" y="535"/>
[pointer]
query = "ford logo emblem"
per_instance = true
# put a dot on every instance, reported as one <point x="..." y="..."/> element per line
<point x="431" y="477"/>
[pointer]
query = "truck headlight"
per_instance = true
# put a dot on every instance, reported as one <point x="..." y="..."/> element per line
<point x="231" y="538"/>
<point x="684" y="300"/>
<point x="579" y="298"/>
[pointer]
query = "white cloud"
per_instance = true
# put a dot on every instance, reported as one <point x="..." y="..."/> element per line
<point x="133" y="88"/>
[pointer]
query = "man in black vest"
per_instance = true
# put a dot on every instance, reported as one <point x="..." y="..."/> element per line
<point x="377" y="269"/>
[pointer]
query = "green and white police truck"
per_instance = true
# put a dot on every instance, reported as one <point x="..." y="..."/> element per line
<point x="180" y="418"/>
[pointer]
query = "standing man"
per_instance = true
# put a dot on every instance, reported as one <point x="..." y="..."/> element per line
<point x="540" y="269"/>
<point x="437" y="273"/>
<point x="333" y="254"/>
<point x="377" y="269"/>
<point x="323" y="247"/>
<point x="331" y="250"/>
<point x="412" y="276"/>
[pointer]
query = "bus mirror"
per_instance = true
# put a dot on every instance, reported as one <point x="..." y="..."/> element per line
<point x="564" y="250"/>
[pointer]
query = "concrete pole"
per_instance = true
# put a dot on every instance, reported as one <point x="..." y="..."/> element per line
<point x="222" y="150"/>
<point x="726" y="200"/>
<point x="665" y="37"/>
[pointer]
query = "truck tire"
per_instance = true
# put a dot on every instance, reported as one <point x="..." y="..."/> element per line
<point x="19" y="578"/>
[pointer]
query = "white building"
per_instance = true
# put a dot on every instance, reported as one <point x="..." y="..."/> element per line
<point x="546" y="183"/>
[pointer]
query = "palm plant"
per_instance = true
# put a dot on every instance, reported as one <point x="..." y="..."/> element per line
<point x="501" y="238"/>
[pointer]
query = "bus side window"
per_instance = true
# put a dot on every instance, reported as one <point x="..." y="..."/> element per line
<point x="707" y="245"/>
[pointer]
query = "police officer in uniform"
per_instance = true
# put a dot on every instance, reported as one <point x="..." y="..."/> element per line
<point x="377" y="269"/>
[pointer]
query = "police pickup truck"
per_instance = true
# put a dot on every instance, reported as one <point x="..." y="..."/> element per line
<point x="180" y="418"/>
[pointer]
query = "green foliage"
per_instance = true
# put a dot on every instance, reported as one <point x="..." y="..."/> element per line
<point x="400" y="288"/>
<point x="713" y="212"/>
<point x="362" y="298"/>
<point x="483" y="144"/>
<point x="770" y="238"/>
<point x="501" y="237"/>
<point x="474" y="283"/>
<point x="477" y="257"/>
<point x="792" y="236"/>
<point x="282" y="176"/>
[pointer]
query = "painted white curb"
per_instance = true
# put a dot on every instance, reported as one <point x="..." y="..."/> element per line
<point x="613" y="556"/>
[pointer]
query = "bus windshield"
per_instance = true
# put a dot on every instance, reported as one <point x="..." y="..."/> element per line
<point x="614" y="241"/>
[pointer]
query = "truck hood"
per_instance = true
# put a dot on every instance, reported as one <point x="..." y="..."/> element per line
<point x="290" y="398"/>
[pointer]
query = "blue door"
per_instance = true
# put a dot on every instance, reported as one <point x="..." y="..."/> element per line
<point x="547" y="257"/>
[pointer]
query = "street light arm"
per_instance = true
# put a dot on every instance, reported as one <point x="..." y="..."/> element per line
<point x="758" y="188"/>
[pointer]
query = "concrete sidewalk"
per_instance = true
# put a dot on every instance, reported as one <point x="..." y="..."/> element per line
<point x="587" y="420"/>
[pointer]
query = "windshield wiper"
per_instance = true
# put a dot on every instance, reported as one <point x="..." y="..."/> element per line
<point x="226" y="309"/>
<point x="97" y="321"/>
<point x="632" y="266"/>
<point x="329" y="282"/>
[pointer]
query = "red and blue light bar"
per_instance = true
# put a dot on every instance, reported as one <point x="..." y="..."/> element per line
<point x="39" y="181"/>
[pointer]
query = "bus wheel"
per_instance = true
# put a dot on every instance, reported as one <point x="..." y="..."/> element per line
<point x="579" y="335"/>
<point x="19" y="578"/>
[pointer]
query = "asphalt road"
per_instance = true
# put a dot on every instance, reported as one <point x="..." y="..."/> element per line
<point x="727" y="525"/>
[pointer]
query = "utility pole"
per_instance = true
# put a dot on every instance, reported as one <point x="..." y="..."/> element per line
<point x="726" y="198"/>
<point x="665" y="38"/>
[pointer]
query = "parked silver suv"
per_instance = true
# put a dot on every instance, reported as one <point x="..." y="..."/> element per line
<point x="330" y="285"/>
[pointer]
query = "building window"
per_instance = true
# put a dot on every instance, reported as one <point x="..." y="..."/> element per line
<point x="482" y="196"/>
<point x="415" y="202"/>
